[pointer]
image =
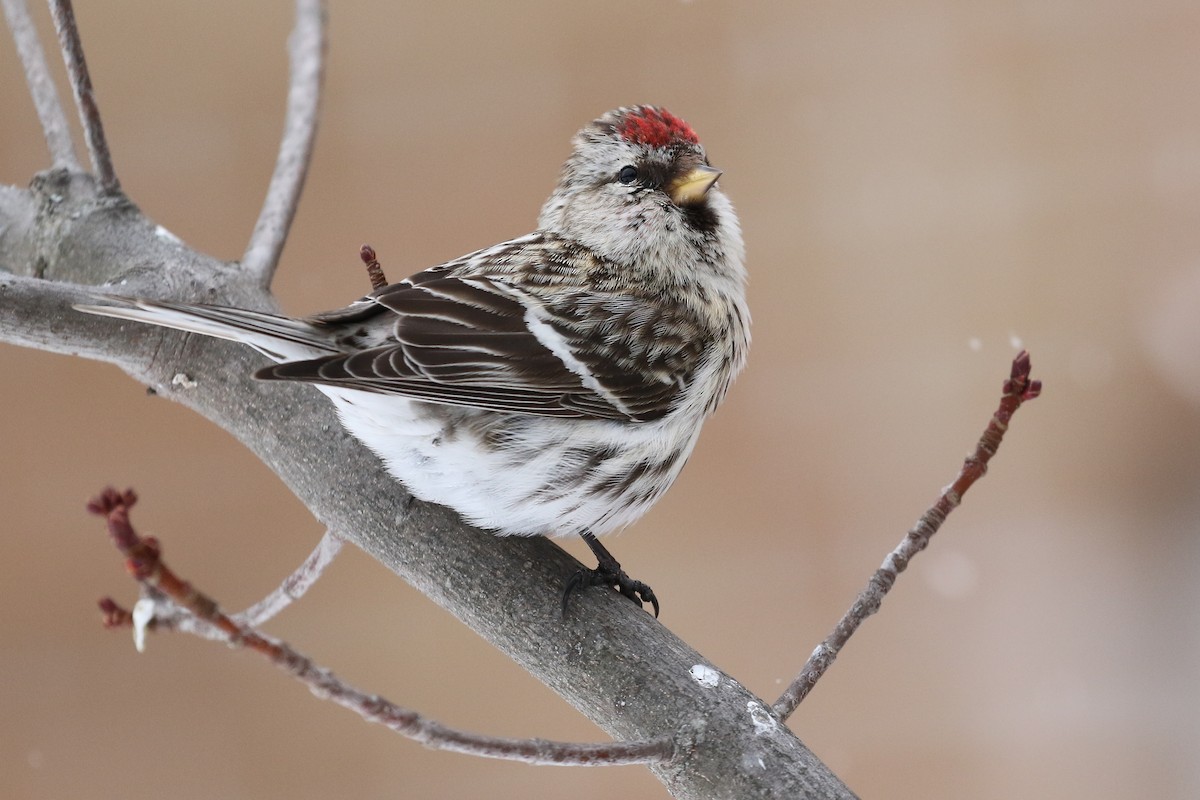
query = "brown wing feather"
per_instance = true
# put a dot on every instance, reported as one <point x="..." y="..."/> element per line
<point x="463" y="339"/>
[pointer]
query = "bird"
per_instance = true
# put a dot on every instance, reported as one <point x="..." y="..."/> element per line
<point x="552" y="384"/>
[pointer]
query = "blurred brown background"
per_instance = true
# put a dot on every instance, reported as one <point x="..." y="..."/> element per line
<point x="922" y="186"/>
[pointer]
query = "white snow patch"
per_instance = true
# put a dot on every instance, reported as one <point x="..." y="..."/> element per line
<point x="163" y="233"/>
<point x="184" y="380"/>
<point x="143" y="612"/>
<point x="761" y="718"/>
<point x="705" y="676"/>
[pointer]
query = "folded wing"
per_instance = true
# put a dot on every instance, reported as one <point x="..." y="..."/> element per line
<point x="485" y="343"/>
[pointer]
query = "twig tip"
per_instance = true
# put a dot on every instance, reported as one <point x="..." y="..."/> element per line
<point x="112" y="615"/>
<point x="109" y="500"/>
<point x="1021" y="365"/>
<point x="374" y="270"/>
<point x="1019" y="383"/>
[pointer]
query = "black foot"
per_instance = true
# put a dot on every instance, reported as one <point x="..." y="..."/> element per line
<point x="608" y="572"/>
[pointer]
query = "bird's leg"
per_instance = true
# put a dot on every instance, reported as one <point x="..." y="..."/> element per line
<point x="608" y="572"/>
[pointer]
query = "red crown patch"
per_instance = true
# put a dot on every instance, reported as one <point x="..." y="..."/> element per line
<point x="655" y="127"/>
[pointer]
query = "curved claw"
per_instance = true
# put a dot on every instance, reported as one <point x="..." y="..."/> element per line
<point x="574" y="584"/>
<point x="637" y="591"/>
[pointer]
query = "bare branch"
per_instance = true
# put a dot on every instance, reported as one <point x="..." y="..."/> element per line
<point x="85" y="96"/>
<point x="143" y="560"/>
<point x="306" y="52"/>
<point x="41" y="85"/>
<point x="295" y="585"/>
<point x="1017" y="389"/>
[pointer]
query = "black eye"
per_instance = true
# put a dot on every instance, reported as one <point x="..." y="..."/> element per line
<point x="628" y="174"/>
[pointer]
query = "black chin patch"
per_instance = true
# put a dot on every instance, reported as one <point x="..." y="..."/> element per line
<point x="700" y="217"/>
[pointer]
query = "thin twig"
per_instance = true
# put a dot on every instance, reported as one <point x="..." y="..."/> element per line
<point x="306" y="56"/>
<point x="374" y="270"/>
<point x="85" y="96"/>
<point x="295" y="585"/>
<point x="41" y="86"/>
<point x="170" y="617"/>
<point x="1017" y="389"/>
<point x="143" y="560"/>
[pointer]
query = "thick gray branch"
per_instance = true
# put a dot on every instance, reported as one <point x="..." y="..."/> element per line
<point x="609" y="659"/>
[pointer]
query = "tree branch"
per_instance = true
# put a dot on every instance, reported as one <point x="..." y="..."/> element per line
<point x="85" y="97"/>
<point x="41" y="85"/>
<point x="295" y="585"/>
<point x="1017" y="389"/>
<point x="306" y="52"/>
<point x="143" y="561"/>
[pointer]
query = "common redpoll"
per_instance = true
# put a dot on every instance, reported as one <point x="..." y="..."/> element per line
<point x="551" y="384"/>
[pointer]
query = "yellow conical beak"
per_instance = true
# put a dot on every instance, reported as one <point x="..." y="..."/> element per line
<point x="692" y="187"/>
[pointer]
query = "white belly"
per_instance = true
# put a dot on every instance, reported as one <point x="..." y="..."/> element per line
<point x="518" y="474"/>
